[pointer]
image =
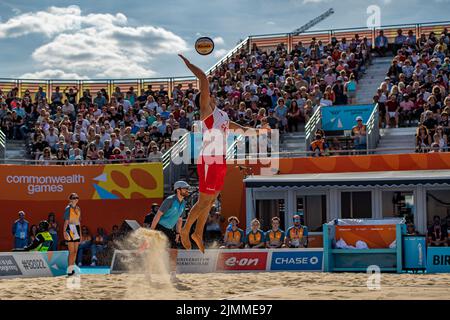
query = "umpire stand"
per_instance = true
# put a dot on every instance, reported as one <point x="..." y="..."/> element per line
<point x="352" y="245"/>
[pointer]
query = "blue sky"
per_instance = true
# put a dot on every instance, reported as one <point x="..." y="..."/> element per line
<point x="128" y="39"/>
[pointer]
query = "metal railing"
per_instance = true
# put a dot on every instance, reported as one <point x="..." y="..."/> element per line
<point x="229" y="55"/>
<point x="390" y="31"/>
<point x="373" y="130"/>
<point x="233" y="149"/>
<point x="343" y="152"/>
<point x="172" y="168"/>
<point x="314" y="123"/>
<point x="71" y="162"/>
<point x="236" y="156"/>
<point x="263" y="41"/>
<point x="2" y="145"/>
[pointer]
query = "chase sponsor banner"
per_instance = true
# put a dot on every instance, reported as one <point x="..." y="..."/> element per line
<point x="33" y="264"/>
<point x="297" y="260"/>
<point x="194" y="261"/>
<point x="344" y="117"/>
<point x="438" y="260"/>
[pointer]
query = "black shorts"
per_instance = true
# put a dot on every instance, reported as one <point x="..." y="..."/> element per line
<point x="79" y="233"/>
<point x="170" y="233"/>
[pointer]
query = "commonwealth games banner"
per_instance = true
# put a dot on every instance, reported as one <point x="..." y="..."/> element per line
<point x="93" y="182"/>
<point x="344" y="117"/>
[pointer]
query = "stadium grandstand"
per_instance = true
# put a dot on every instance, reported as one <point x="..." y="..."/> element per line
<point x="279" y="80"/>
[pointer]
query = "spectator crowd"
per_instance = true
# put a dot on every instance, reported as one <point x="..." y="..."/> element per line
<point x="257" y="88"/>
<point x="415" y="91"/>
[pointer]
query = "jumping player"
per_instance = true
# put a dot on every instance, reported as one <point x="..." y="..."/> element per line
<point x="211" y="166"/>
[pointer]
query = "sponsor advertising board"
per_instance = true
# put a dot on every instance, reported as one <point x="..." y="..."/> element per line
<point x="374" y="236"/>
<point x="438" y="260"/>
<point x="344" y="117"/>
<point x="99" y="182"/>
<point x="297" y="260"/>
<point x="196" y="262"/>
<point x="242" y="260"/>
<point x="193" y="261"/>
<point x="33" y="264"/>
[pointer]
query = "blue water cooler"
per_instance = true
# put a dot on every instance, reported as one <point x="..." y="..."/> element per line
<point x="414" y="253"/>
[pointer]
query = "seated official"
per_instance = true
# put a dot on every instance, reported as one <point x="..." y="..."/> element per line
<point x="297" y="235"/>
<point x="275" y="236"/>
<point x="359" y="134"/>
<point x="319" y="146"/>
<point x="234" y="236"/>
<point x="43" y="240"/>
<point x="255" y="238"/>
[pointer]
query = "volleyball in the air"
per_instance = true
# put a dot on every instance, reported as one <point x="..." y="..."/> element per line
<point x="204" y="45"/>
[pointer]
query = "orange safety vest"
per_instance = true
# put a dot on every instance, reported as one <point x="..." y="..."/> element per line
<point x="254" y="238"/>
<point x="274" y="235"/>
<point x="318" y="144"/>
<point x="234" y="236"/>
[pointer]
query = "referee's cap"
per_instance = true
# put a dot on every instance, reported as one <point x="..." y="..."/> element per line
<point x="181" y="185"/>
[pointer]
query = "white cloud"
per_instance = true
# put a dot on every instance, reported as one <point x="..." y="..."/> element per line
<point x="219" y="41"/>
<point x="220" y="53"/>
<point x="270" y="23"/>
<point x="92" y="45"/>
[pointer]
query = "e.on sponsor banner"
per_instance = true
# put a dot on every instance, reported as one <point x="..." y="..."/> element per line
<point x="193" y="261"/>
<point x="242" y="261"/>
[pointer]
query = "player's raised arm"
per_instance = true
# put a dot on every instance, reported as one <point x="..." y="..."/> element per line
<point x="204" y="85"/>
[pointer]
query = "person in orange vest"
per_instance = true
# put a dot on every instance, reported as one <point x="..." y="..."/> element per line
<point x="234" y="236"/>
<point x="297" y="235"/>
<point x="359" y="134"/>
<point x="255" y="237"/>
<point x="319" y="146"/>
<point x="275" y="236"/>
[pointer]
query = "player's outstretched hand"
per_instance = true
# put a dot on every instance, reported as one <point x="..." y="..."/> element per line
<point x="184" y="58"/>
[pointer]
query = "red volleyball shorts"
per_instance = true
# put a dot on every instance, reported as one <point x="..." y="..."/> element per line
<point x="211" y="174"/>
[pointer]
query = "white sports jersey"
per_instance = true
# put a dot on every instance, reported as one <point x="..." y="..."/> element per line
<point x="216" y="122"/>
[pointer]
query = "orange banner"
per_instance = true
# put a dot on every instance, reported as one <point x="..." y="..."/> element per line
<point x="375" y="236"/>
<point x="94" y="182"/>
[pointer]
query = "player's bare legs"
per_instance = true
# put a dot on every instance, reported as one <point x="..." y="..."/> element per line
<point x="200" y="209"/>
